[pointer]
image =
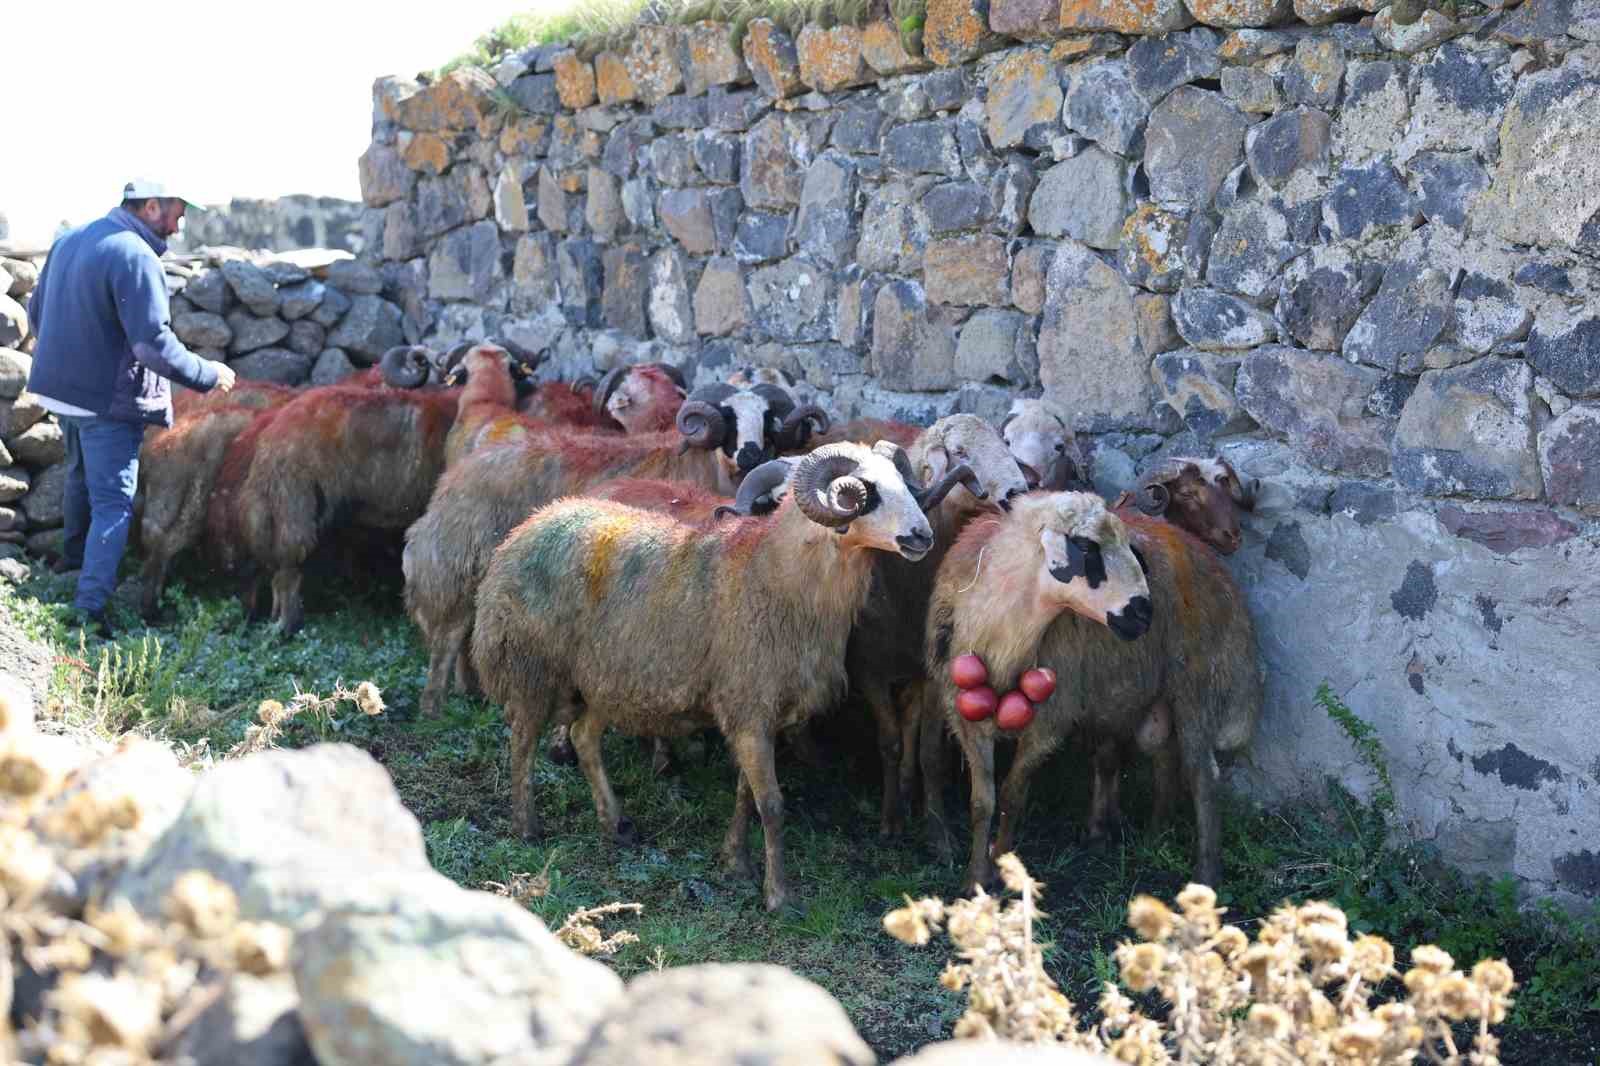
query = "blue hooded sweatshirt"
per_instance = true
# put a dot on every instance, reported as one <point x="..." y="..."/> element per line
<point x="104" y="326"/>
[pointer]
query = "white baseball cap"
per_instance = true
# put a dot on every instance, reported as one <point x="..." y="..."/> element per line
<point x="145" y="189"/>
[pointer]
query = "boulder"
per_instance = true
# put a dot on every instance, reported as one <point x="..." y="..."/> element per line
<point x="761" y="236"/>
<point x="773" y="161"/>
<point x="774" y="63"/>
<point x="43" y="503"/>
<point x="411" y="969"/>
<point x="1544" y="190"/>
<point x="1251" y="246"/>
<point x="1569" y="457"/>
<point x="385" y="178"/>
<point x="884" y="50"/>
<point x="1323" y="293"/>
<point x="209" y="291"/>
<point x="41" y="444"/>
<point x="613" y="84"/>
<point x="955" y="31"/>
<point x="831" y="59"/>
<point x="284" y="366"/>
<point x="250" y="332"/>
<point x="1564" y="346"/>
<point x="332" y="366"/>
<point x="997" y="345"/>
<point x="466" y="265"/>
<point x="1029" y="269"/>
<point x="1312" y="80"/>
<point x="1139" y="17"/>
<point x="1090" y="358"/>
<point x="1413" y="306"/>
<point x="626" y="281"/>
<point x="1319" y="403"/>
<point x="1250" y="89"/>
<point x="826" y="228"/>
<point x="1085" y="198"/>
<point x="254" y="1021"/>
<point x="1468" y="431"/>
<point x="580" y="271"/>
<point x="1024" y="96"/>
<point x="724" y="1015"/>
<point x="252" y="286"/>
<point x="968" y="271"/>
<point x="1235" y="14"/>
<point x="299" y="300"/>
<point x="1450" y="183"/>
<point x="574" y="79"/>
<point x="668" y="306"/>
<point x="306" y="337"/>
<point x="1198" y="386"/>
<point x="1103" y="105"/>
<point x="653" y="62"/>
<point x="1194" y="138"/>
<point x="911" y="348"/>
<point x="923" y="148"/>
<point x="14" y="370"/>
<point x="1213" y="321"/>
<point x="792" y="300"/>
<point x="1161" y="249"/>
<point x="710" y="58"/>
<point x="1287" y="143"/>
<point x="720" y="304"/>
<point x="1375" y="111"/>
<point x="1159" y="64"/>
<point x="14" y="482"/>
<point x="370" y="328"/>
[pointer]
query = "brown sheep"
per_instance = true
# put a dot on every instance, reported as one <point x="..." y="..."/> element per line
<point x="577" y="602"/>
<point x="365" y="456"/>
<point x="1185" y="677"/>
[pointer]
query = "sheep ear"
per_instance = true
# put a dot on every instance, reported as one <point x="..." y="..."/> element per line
<point x="935" y="461"/>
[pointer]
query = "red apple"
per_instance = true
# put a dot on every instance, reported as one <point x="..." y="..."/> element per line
<point x="976" y="704"/>
<point x="968" y="671"/>
<point x="1015" y="712"/>
<point x="1037" y="684"/>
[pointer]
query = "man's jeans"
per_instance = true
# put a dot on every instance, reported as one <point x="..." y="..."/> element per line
<point x="102" y="474"/>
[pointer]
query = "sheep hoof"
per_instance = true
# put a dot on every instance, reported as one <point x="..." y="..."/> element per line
<point x="627" y="833"/>
<point x="563" y="754"/>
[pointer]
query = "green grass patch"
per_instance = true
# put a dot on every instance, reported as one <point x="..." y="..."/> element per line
<point x="197" y="678"/>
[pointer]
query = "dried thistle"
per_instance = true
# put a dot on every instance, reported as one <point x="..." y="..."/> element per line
<point x="1300" y="994"/>
<point x="580" y="934"/>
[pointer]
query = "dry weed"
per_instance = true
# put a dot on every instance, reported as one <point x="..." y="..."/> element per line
<point x="1301" y="993"/>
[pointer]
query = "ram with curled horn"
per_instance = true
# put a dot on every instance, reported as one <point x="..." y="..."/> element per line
<point x="563" y="627"/>
<point x="640" y="398"/>
<point x="1202" y="496"/>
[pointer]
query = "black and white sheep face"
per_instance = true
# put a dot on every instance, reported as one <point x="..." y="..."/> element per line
<point x="892" y="519"/>
<point x="1042" y="445"/>
<point x="968" y="440"/>
<point x="749" y="444"/>
<point x="860" y="494"/>
<point x="1092" y="565"/>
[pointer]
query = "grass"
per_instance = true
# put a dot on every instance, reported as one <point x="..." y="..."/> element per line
<point x="593" y="25"/>
<point x="197" y="678"/>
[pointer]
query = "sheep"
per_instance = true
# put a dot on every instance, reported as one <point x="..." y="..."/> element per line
<point x="748" y="426"/>
<point x="886" y="646"/>
<point x="180" y="468"/>
<point x="1173" y="691"/>
<point x="643" y="398"/>
<point x="1202" y="497"/>
<point x="371" y="456"/>
<point x="1044" y="447"/>
<point x="487" y="409"/>
<point x="858" y="429"/>
<point x="578" y="600"/>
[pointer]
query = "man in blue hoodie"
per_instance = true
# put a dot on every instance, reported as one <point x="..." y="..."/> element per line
<point x="104" y="356"/>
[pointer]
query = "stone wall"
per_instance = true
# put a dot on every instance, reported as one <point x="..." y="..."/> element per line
<point x="31" y="443"/>
<point x="1357" y="258"/>
<point x="278" y="225"/>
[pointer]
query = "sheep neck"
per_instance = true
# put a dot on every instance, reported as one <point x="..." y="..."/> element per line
<point x="808" y="566"/>
<point x="1006" y="623"/>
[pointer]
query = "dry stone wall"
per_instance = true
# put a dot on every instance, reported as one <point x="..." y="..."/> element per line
<point x="1352" y="254"/>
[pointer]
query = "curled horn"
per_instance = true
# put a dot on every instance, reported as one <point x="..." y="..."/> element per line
<point x="1152" y="498"/>
<point x="700" y="419"/>
<point x="821" y="478"/>
<point x="963" y="474"/>
<point x="799" y="424"/>
<point x="1243" y="493"/>
<point x="757" y="493"/>
<point x="608" y="385"/>
<point x="404" y="367"/>
<point x="527" y="358"/>
<point x="587" y="381"/>
<point x="449" y="360"/>
<point x="674" y="373"/>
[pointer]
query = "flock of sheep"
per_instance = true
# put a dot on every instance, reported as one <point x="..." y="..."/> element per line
<point x="624" y="554"/>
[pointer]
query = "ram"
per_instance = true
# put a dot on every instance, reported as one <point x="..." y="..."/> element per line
<point x="609" y="616"/>
<point x="642" y="398"/>
<point x="969" y="472"/>
<point x="1203" y="497"/>
<point x="1044" y="446"/>
<point x="479" y="502"/>
<point x="367" y="457"/>
<point x="1173" y="691"/>
<point x="180" y="467"/>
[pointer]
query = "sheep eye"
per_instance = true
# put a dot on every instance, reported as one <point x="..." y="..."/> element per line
<point x="1060" y="447"/>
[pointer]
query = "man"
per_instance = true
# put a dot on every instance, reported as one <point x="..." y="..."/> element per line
<point x="104" y="356"/>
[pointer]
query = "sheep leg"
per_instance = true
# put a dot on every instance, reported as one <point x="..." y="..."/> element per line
<point x="526" y="717"/>
<point x="931" y="757"/>
<point x="979" y="751"/>
<point x="891" y="819"/>
<point x="755" y="756"/>
<point x="661" y="761"/>
<point x="153" y="580"/>
<point x="444" y="658"/>
<point x="910" y="711"/>
<point x="736" y="845"/>
<point x="466" y="676"/>
<point x="1105" y="801"/>
<point x="1167" y="782"/>
<point x="1201" y="773"/>
<point x="586" y="734"/>
<point x="287" y="607"/>
<point x="1032" y="751"/>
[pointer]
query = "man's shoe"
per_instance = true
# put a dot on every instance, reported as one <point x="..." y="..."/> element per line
<point x="96" y="623"/>
<point x="63" y="566"/>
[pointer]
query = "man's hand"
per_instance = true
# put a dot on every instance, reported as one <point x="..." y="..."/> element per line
<point x="225" y="375"/>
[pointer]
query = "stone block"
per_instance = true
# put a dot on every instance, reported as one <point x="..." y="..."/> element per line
<point x="792" y="300"/>
<point x="955" y="31"/>
<point x="1318" y="403"/>
<point x="282" y="366"/>
<point x="859" y="129"/>
<point x="923" y="148"/>
<point x="602" y="208"/>
<point x="831" y="60"/>
<point x="306" y="337"/>
<point x="1161" y="250"/>
<point x="1468" y="431"/>
<point x="1085" y="197"/>
<point x="1249" y="250"/>
<point x="773" y="161"/>
<point x="202" y="329"/>
<point x="1450" y="183"/>
<point x="1413" y="306"/>
<point x="575" y="82"/>
<point x="384" y="176"/>
<point x="250" y="331"/>
<point x="1239" y="14"/>
<point x="1323" y="293"/>
<point x="761" y="236"/>
<point x="533" y="273"/>
<point x="686" y="215"/>
<point x="1312" y="79"/>
<point x="825" y="228"/>
<point x="717" y="156"/>
<point x="774" y="63"/>
<point x="1160" y="64"/>
<point x="1090" y="358"/>
<point x="1134" y="17"/>
<point x="613" y="83"/>
<point x="710" y="58"/>
<point x="1102" y="104"/>
<point x="1198" y="386"/>
<point x="1564" y="346"/>
<point x="653" y="63"/>
<point x="955" y="205"/>
<point x="1024" y="95"/>
<point x="1216" y="321"/>
<point x="720" y="304"/>
<point x="968" y="271"/>
<point x="1569" y="456"/>
<point x="1194" y="138"/>
<point x="466" y="265"/>
<point x="910" y="348"/>
<point x="997" y="346"/>
<point x="580" y="274"/>
<point x="885" y="52"/>
<point x="1250" y="89"/>
<point x="622" y="300"/>
<point x="370" y="328"/>
<point x="671" y="313"/>
<point x="1029" y="268"/>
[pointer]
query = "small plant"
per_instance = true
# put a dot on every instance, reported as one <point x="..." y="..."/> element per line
<point x="1368" y="747"/>
<point x="274" y="717"/>
<point x="1300" y="994"/>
